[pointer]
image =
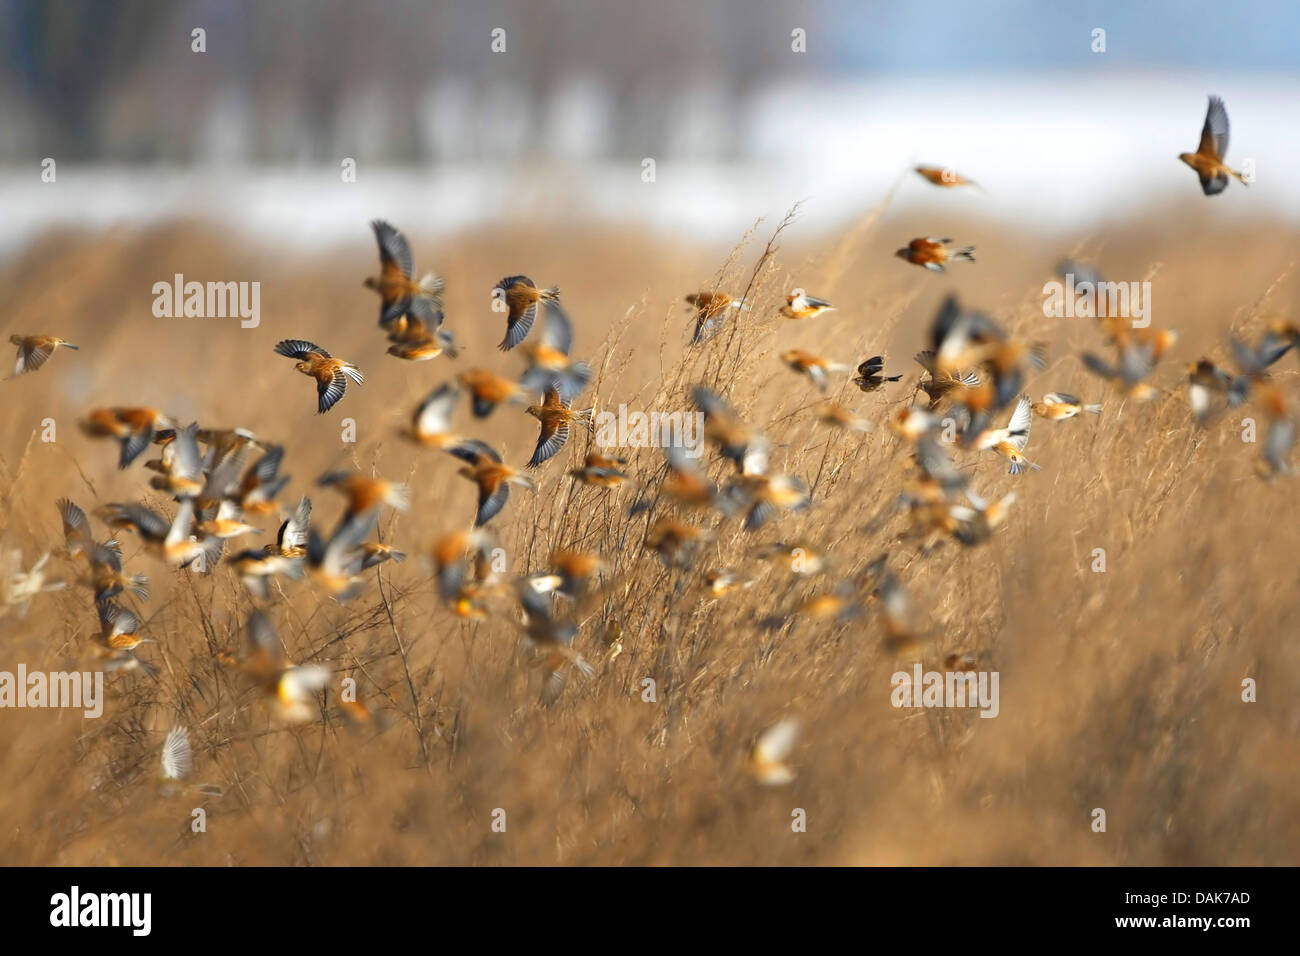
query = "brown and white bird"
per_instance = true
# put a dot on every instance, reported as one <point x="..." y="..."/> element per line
<point x="174" y="541"/>
<point x="556" y="417"/>
<point x="934" y="253"/>
<point x="521" y="300"/>
<point x="903" y="636"/>
<point x="133" y="428"/>
<point x="415" y="341"/>
<point x="838" y="416"/>
<point x="487" y="390"/>
<point x="291" y="687"/>
<point x="723" y="581"/>
<point x="464" y="567"/>
<point x="35" y="350"/>
<point x="769" y="756"/>
<point x="942" y="176"/>
<point x="260" y="484"/>
<point x="812" y="366"/>
<point x="736" y="439"/>
<point x="331" y="374"/>
<point x="551" y="637"/>
<point x="335" y="565"/>
<point x="77" y="538"/>
<point x="106" y="578"/>
<point x="764" y="495"/>
<point x="365" y="494"/>
<point x="711" y="310"/>
<point x="226" y="521"/>
<point x="549" y="364"/>
<point x="286" y="557"/>
<point x="181" y="465"/>
<point x="118" y="628"/>
<point x="1009" y="442"/>
<point x="119" y="637"/>
<point x="1275" y="457"/>
<point x="400" y="293"/>
<point x="175" y="762"/>
<point x="911" y="422"/>
<point x="685" y="483"/>
<point x="431" y="421"/>
<point x="1205" y="382"/>
<point x="940" y="386"/>
<point x="601" y="471"/>
<point x="484" y="468"/>
<point x="1057" y="406"/>
<point x="676" y="542"/>
<point x="1208" y="160"/>
<point x="800" y="305"/>
<point x="799" y="557"/>
<point x="1129" y="376"/>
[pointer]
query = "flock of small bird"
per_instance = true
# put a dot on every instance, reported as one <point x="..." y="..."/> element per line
<point x="970" y="400"/>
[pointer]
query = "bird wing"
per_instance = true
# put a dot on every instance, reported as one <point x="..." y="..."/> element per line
<point x="1099" y="365"/>
<point x="433" y="415"/>
<point x="394" y="251"/>
<point x="32" y="357"/>
<point x="182" y="523"/>
<point x="1060" y="398"/>
<point x="775" y="744"/>
<point x="293" y="533"/>
<point x="492" y="497"/>
<point x="553" y="435"/>
<point x="522" y="309"/>
<point x="1135" y="363"/>
<point x="1214" y="134"/>
<point x="557" y="331"/>
<point x="187" y="463"/>
<point x="473" y="450"/>
<point x="1021" y="419"/>
<point x="330" y="391"/>
<point x="177" y="758"/>
<point x="75" y="529"/>
<point x="299" y="349"/>
<point x="872" y="366"/>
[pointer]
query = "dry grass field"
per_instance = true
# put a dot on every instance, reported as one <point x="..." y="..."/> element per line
<point x="1120" y="690"/>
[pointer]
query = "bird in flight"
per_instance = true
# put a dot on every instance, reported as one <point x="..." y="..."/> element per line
<point x="871" y="374"/>
<point x="944" y="177"/>
<point x="710" y="312"/>
<point x="932" y="253"/>
<point x="133" y="428"/>
<point x="770" y="753"/>
<point x="520" y="299"/>
<point x="800" y="305"/>
<point x="331" y="374"/>
<point x="1208" y="160"/>
<point x="556" y="416"/>
<point x="1058" y="406"/>
<point x="400" y="293"/>
<point x="814" y="367"/>
<point x="484" y="468"/>
<point x="34" y="350"/>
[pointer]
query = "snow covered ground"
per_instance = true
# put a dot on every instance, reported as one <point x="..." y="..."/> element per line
<point x="1054" y="153"/>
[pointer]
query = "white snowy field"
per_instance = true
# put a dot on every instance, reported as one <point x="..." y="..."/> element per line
<point x="1053" y="154"/>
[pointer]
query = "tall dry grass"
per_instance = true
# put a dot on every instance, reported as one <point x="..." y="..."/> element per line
<point x="1119" y="690"/>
